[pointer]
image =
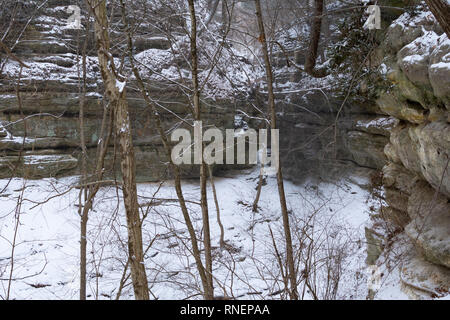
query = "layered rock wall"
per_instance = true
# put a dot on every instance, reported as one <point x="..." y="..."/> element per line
<point x="39" y="106"/>
<point x="405" y="134"/>
<point x="416" y="178"/>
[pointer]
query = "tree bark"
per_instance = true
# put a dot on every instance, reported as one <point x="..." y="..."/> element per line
<point x="83" y="190"/>
<point x="83" y="255"/>
<point x="216" y="202"/>
<point x="203" y="166"/>
<point x="441" y="11"/>
<point x="117" y="98"/>
<point x="311" y="58"/>
<point x="273" y="123"/>
<point x="83" y="211"/>
<point x="258" y="188"/>
<point x="176" y="172"/>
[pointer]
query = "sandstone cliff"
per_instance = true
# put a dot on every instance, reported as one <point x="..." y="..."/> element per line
<point x="39" y="127"/>
<point x="415" y="55"/>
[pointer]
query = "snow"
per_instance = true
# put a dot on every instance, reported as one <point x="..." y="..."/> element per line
<point x="48" y="238"/>
<point x="426" y="43"/>
<point x="226" y="75"/>
<point x="50" y="71"/>
<point x="382" y="122"/>
<point x="94" y="94"/>
<point x="41" y="159"/>
<point x="406" y="20"/>
<point x="441" y="65"/>
<point x="413" y="59"/>
<point x="334" y="215"/>
<point x="383" y="69"/>
<point x="154" y="58"/>
<point x="120" y="85"/>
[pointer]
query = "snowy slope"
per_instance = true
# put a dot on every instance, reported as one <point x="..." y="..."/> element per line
<point x="46" y="253"/>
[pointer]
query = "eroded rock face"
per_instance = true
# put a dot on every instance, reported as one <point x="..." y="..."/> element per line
<point x="414" y="58"/>
<point x="397" y="106"/>
<point x="439" y="68"/>
<point x="396" y="176"/>
<point x="417" y="174"/>
<point x="424" y="149"/>
<point x="367" y="149"/>
<point x="406" y="29"/>
<point x="422" y="279"/>
<point x="432" y="142"/>
<point x="430" y="224"/>
<point x="311" y="147"/>
<point x="46" y="122"/>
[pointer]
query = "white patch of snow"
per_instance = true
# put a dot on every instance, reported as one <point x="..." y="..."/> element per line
<point x="49" y="234"/>
<point x="120" y="85"/>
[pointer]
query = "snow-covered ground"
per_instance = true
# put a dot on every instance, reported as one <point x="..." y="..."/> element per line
<point x="46" y="265"/>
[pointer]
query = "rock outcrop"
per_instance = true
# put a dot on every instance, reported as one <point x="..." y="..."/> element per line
<point x="416" y="177"/>
<point x="405" y="134"/>
<point x="40" y="129"/>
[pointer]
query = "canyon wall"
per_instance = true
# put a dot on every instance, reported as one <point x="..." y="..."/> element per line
<point x="416" y="178"/>
<point x="402" y="137"/>
<point x="400" y="141"/>
<point x="39" y="112"/>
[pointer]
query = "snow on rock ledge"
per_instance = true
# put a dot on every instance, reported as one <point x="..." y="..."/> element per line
<point x="36" y="166"/>
<point x="417" y="175"/>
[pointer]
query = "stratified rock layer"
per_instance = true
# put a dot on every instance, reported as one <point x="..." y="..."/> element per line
<point x="417" y="174"/>
<point x="42" y="121"/>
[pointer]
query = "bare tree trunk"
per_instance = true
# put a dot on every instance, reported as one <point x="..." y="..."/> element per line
<point x="316" y="25"/>
<point x="216" y="202"/>
<point x="441" y="11"/>
<point x="83" y="195"/>
<point x="258" y="188"/>
<point x="83" y="252"/>
<point x="273" y="118"/>
<point x="261" y="177"/>
<point x="203" y="166"/>
<point x="208" y="294"/>
<point x="83" y="190"/>
<point x="117" y="97"/>
<point x="18" y="209"/>
<point x="90" y="191"/>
